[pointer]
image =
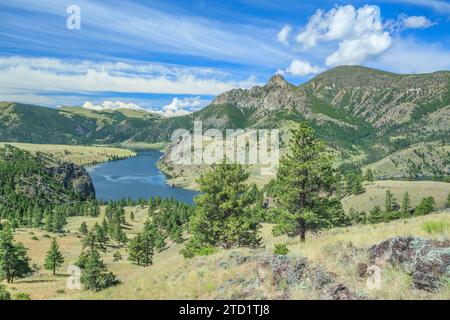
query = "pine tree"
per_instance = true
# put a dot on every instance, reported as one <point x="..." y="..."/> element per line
<point x="132" y="216"/>
<point x="389" y="202"/>
<point x="95" y="276"/>
<point x="14" y="261"/>
<point x="226" y="213"/>
<point x="105" y="229"/>
<point x="135" y="249"/>
<point x="59" y="220"/>
<point x="425" y="206"/>
<point x="101" y="236"/>
<point x="369" y="176"/>
<point x="406" y="205"/>
<point x="151" y="229"/>
<point x="305" y="185"/>
<point x="48" y="217"/>
<point x="376" y="215"/>
<point x="83" y="228"/>
<point x="54" y="257"/>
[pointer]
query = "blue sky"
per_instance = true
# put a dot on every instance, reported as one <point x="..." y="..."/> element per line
<point x="175" y="56"/>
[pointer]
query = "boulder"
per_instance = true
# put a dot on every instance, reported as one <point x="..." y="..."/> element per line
<point x="427" y="261"/>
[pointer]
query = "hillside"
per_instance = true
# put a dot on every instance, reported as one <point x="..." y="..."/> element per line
<point x="80" y="155"/>
<point x="74" y="125"/>
<point x="231" y="273"/>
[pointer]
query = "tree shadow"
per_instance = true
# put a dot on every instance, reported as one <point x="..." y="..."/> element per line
<point x="36" y="281"/>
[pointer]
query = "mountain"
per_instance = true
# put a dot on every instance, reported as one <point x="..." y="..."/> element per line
<point x="364" y="114"/>
<point x="76" y="125"/>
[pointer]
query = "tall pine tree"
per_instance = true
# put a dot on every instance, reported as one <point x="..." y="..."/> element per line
<point x="305" y="185"/>
<point x="227" y="212"/>
<point x="54" y="257"/>
<point x="14" y="261"/>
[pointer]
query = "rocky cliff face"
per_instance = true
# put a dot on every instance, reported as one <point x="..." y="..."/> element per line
<point x="76" y="179"/>
<point x="41" y="178"/>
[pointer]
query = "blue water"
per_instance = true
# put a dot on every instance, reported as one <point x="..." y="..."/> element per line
<point x="136" y="178"/>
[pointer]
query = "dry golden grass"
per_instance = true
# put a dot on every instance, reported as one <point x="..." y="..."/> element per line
<point x="81" y="155"/>
<point x="42" y="284"/>
<point x="376" y="192"/>
<point x="173" y="277"/>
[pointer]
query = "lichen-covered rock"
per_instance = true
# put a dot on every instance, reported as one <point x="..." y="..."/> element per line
<point x="361" y="269"/>
<point x="290" y="270"/>
<point x="321" y="278"/>
<point x="341" y="292"/>
<point x="427" y="261"/>
<point x="279" y="276"/>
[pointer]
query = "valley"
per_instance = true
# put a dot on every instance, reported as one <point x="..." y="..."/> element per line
<point x="388" y="118"/>
<point x="371" y="162"/>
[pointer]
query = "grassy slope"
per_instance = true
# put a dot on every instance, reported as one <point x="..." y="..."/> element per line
<point x="81" y="155"/>
<point x="375" y="193"/>
<point x="173" y="277"/>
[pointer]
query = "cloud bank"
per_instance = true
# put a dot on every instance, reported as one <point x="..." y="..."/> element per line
<point x="20" y="75"/>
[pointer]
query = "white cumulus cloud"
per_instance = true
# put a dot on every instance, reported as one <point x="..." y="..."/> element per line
<point x="359" y="32"/>
<point x="283" y="35"/>
<point x="182" y="106"/>
<point x="356" y="51"/>
<point x="301" y="68"/>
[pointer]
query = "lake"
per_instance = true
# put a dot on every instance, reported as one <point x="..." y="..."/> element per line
<point x="136" y="177"/>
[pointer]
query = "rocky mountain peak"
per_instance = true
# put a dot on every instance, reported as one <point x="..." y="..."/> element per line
<point x="278" y="81"/>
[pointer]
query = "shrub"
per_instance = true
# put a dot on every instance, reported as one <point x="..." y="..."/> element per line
<point x="4" y="294"/>
<point x="195" y="248"/>
<point x="435" y="226"/>
<point x="425" y="206"/>
<point x="21" y="296"/>
<point x="34" y="238"/>
<point x="281" y="249"/>
<point x="117" y="256"/>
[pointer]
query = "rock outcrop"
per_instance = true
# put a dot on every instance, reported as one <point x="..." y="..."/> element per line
<point x="42" y="177"/>
<point x="75" y="178"/>
<point x="427" y="261"/>
<point x="277" y="276"/>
